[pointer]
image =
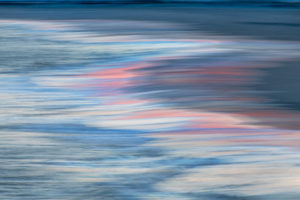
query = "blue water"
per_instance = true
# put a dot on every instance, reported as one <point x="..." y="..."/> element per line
<point x="125" y="109"/>
<point x="157" y="1"/>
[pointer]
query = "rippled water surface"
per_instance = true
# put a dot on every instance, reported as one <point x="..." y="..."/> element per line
<point x="124" y="109"/>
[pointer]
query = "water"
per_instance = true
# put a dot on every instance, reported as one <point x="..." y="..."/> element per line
<point x="270" y="2"/>
<point x="131" y="109"/>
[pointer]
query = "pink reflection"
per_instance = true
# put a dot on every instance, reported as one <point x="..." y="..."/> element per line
<point x="221" y="78"/>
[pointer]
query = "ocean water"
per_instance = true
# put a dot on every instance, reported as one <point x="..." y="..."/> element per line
<point x="131" y="109"/>
<point x="255" y="2"/>
<point x="154" y="1"/>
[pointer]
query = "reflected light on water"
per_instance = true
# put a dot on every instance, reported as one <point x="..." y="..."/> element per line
<point x="118" y="109"/>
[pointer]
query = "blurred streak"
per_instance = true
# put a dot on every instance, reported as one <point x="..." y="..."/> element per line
<point x="124" y="109"/>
